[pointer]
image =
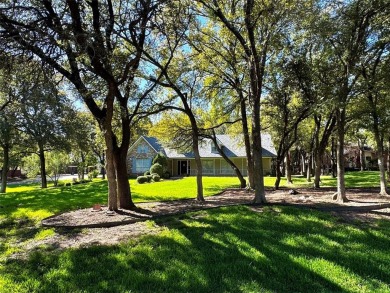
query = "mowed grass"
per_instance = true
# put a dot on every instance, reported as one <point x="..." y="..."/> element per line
<point x="224" y="250"/>
<point x="354" y="179"/>
<point x="230" y="249"/>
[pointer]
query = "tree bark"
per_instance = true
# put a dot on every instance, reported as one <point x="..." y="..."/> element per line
<point x="388" y="157"/>
<point x="341" y="193"/>
<point x="4" y="170"/>
<point x="247" y="142"/>
<point x="278" y="174"/>
<point x="42" y="162"/>
<point x="362" y="159"/>
<point x="257" y="158"/>
<point x="103" y="163"/>
<point x="303" y="164"/>
<point x="198" y="162"/>
<point x="308" y="170"/>
<point x="81" y="172"/>
<point x="122" y="182"/>
<point x="379" y="145"/>
<point x="288" y="168"/>
<point x="112" y="191"/>
<point x="334" y="159"/>
<point x="317" y="171"/>
<point x="382" y="174"/>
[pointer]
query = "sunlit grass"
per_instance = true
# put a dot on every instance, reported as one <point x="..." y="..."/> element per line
<point x="222" y="250"/>
<point x="355" y="179"/>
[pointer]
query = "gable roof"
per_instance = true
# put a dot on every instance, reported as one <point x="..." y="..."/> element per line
<point x="152" y="142"/>
<point x="232" y="146"/>
<point x="236" y="145"/>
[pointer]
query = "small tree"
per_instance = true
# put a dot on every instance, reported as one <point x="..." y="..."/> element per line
<point x="56" y="164"/>
<point x="156" y="169"/>
<point x="31" y="165"/>
<point x="162" y="160"/>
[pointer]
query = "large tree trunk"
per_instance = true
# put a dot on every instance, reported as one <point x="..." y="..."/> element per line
<point x="103" y="163"/>
<point x="362" y="160"/>
<point x="257" y="158"/>
<point x="388" y="157"/>
<point x="382" y="173"/>
<point x="317" y="172"/>
<point x="278" y="174"/>
<point x="42" y="162"/>
<point x="308" y="170"/>
<point x="4" y="170"/>
<point x="303" y="164"/>
<point x="334" y="159"/>
<point x="247" y="142"/>
<point x="119" y="195"/>
<point x="288" y="168"/>
<point x="112" y="191"/>
<point x="122" y="182"/>
<point x="82" y="167"/>
<point x="379" y="144"/>
<point x="341" y="193"/>
<point x="198" y="162"/>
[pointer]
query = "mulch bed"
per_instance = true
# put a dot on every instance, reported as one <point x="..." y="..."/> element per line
<point x="360" y="201"/>
<point x="85" y="227"/>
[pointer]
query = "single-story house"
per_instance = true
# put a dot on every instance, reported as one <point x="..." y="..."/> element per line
<point x="142" y="152"/>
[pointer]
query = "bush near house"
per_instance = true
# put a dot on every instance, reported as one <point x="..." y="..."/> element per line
<point x="142" y="179"/>
<point x="157" y="169"/>
<point x="155" y="177"/>
<point x="160" y="159"/>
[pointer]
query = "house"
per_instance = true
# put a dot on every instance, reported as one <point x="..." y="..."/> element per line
<point x="352" y="157"/>
<point x="142" y="152"/>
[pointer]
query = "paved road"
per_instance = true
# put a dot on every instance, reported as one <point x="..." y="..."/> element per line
<point x="38" y="179"/>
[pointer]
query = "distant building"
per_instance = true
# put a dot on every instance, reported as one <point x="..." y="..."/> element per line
<point x="142" y="152"/>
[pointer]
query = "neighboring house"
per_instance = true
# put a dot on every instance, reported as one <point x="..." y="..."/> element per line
<point x="142" y="152"/>
<point x="352" y="157"/>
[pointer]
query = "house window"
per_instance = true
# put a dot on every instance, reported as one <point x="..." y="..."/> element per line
<point x="226" y="169"/>
<point x="213" y="148"/>
<point x="141" y="165"/>
<point x="208" y="166"/>
<point x="142" y="149"/>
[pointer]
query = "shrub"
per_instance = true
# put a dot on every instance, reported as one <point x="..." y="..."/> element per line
<point x="149" y="177"/>
<point x="147" y="173"/>
<point x="156" y="177"/>
<point x="160" y="159"/>
<point x="156" y="169"/>
<point x="142" y="179"/>
<point x="93" y="174"/>
<point x="166" y="175"/>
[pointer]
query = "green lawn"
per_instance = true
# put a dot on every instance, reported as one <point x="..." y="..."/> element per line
<point x="230" y="249"/>
<point x="352" y="180"/>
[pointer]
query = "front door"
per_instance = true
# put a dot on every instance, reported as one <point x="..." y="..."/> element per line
<point x="182" y="167"/>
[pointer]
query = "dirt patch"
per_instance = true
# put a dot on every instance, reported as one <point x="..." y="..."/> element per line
<point x="101" y="227"/>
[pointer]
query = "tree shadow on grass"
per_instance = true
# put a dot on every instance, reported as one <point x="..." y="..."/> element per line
<point x="221" y="250"/>
<point x="55" y="199"/>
